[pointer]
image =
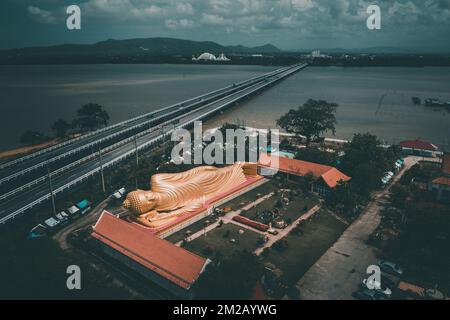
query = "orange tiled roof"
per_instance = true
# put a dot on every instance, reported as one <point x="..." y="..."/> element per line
<point x="446" y="163"/>
<point x="169" y="261"/>
<point x="442" y="180"/>
<point x="333" y="176"/>
<point x="330" y="175"/>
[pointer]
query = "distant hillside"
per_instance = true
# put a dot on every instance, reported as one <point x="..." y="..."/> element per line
<point x="132" y="50"/>
<point x="267" y="48"/>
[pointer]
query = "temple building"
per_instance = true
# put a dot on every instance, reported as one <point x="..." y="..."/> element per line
<point x="418" y="147"/>
<point x="175" y="201"/>
<point x="165" y="264"/>
<point x="325" y="177"/>
<point x="210" y="57"/>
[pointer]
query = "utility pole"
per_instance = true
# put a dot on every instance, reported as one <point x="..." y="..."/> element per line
<point x="101" y="169"/>
<point x="51" y="189"/>
<point x="162" y="140"/>
<point x="137" y="159"/>
<point x="136" y="151"/>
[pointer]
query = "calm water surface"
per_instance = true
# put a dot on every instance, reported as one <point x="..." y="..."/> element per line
<point x="376" y="100"/>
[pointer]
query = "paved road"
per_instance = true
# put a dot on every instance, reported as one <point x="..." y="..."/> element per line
<point x="340" y="270"/>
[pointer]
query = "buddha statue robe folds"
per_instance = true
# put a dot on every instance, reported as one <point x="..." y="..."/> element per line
<point x="172" y="194"/>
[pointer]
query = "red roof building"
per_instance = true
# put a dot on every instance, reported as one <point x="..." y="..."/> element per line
<point x="418" y="145"/>
<point x="327" y="174"/>
<point x="442" y="181"/>
<point x="166" y="264"/>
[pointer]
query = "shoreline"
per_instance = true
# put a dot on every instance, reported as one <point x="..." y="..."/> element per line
<point x="6" y="155"/>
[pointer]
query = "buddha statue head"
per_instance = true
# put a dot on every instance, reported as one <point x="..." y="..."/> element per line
<point x="140" y="201"/>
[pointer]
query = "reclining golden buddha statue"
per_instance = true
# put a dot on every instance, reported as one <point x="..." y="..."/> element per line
<point x="172" y="194"/>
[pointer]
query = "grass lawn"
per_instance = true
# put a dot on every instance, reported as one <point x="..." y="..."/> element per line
<point x="251" y="195"/>
<point x="292" y="211"/>
<point x="319" y="233"/>
<point x="216" y="240"/>
<point x="196" y="226"/>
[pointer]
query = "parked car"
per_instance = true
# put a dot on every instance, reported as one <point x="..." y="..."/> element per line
<point x="386" y="178"/>
<point x="74" y="212"/>
<point x="380" y="287"/>
<point x="62" y="217"/>
<point x="272" y="231"/>
<point x="434" y="294"/>
<point x="390" y="267"/>
<point x="367" y="294"/>
<point x="51" y="224"/>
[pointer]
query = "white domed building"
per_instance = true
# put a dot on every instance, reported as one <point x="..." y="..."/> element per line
<point x="222" y="57"/>
<point x="206" y="56"/>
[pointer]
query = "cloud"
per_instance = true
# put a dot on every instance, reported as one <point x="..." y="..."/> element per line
<point x="179" y="24"/>
<point x="42" y="16"/>
<point x="185" y="8"/>
<point x="289" y="22"/>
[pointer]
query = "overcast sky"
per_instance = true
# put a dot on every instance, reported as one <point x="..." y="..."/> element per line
<point x="288" y="24"/>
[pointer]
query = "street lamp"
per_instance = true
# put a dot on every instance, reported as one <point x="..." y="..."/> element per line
<point x="101" y="169"/>
<point x="49" y="176"/>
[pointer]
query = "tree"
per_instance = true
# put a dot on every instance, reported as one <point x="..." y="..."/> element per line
<point x="343" y="196"/>
<point x="365" y="160"/>
<point x="311" y="120"/>
<point x="423" y="242"/>
<point x="285" y="144"/>
<point x="61" y="127"/>
<point x="91" y="116"/>
<point x="32" y="137"/>
<point x="233" y="278"/>
<point x="317" y="156"/>
<point x="366" y="179"/>
<point x="399" y="195"/>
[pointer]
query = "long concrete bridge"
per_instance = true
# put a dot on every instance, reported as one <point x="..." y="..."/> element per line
<point x="24" y="182"/>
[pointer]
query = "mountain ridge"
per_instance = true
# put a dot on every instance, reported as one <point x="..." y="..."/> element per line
<point x="137" y="47"/>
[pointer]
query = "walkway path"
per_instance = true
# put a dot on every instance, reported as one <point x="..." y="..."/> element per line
<point x="229" y="218"/>
<point x="284" y="232"/>
<point x="340" y="270"/>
